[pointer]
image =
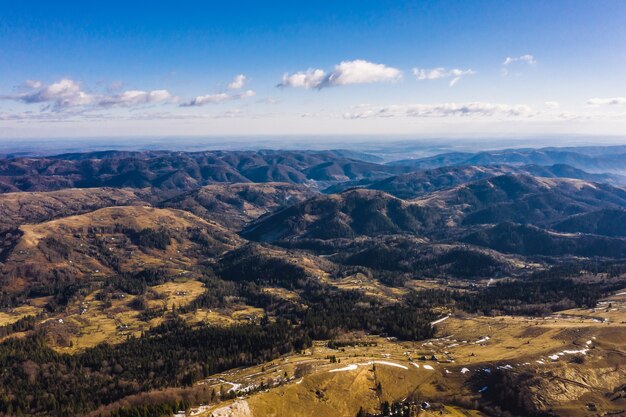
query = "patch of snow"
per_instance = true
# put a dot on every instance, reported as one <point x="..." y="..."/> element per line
<point x="554" y="357"/>
<point x="390" y="364"/>
<point x="464" y="370"/>
<point x="429" y="367"/>
<point x="482" y="340"/>
<point x="234" y="387"/>
<point x="354" y="366"/>
<point x="346" y="368"/>
<point x="415" y="364"/>
<point x="440" y="320"/>
<point x="574" y="352"/>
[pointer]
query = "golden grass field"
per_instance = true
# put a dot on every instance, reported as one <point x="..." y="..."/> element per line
<point x="308" y="384"/>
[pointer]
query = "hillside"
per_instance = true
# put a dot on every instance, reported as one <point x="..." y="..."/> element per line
<point x="346" y="215"/>
<point x="234" y="205"/>
<point x="111" y="241"/>
<point x="531" y="240"/>
<point x="416" y="184"/>
<point x="606" y="222"/>
<point x="523" y="198"/>
<point x="35" y="207"/>
<point x="419" y="183"/>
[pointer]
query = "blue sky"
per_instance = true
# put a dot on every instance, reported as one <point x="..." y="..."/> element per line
<point x="421" y="68"/>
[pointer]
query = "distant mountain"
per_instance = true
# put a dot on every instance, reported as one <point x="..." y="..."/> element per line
<point x="531" y="240"/>
<point x="522" y="198"/>
<point x="183" y="171"/>
<point x="610" y="160"/>
<point x="419" y="183"/>
<point x="346" y="215"/>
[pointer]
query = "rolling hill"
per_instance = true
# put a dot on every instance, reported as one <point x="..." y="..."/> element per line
<point x="523" y="199"/>
<point x="35" y="207"/>
<point x="346" y="215"/>
<point x="606" y="222"/>
<point x="110" y="241"/>
<point x="234" y="205"/>
<point x="531" y="240"/>
<point x="183" y="171"/>
<point x="591" y="159"/>
<point x="419" y="183"/>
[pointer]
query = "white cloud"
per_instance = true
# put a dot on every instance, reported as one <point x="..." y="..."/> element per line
<point x="61" y="94"/>
<point x="475" y="109"/>
<point x="67" y="93"/>
<point x="610" y="101"/>
<point x="245" y="94"/>
<point x="311" y="78"/>
<point x="552" y="105"/>
<point x="135" y="98"/>
<point x="439" y="73"/>
<point x="345" y="73"/>
<point x="528" y="59"/>
<point x="237" y="82"/>
<point x="217" y="98"/>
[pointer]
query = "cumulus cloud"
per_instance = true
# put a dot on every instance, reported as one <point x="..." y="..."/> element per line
<point x="217" y="98"/>
<point x="552" y="105"/>
<point x="527" y="59"/>
<point x="67" y="93"/>
<point x="610" y="101"/>
<point x="237" y="82"/>
<point x="475" y="109"/>
<point x="311" y="78"/>
<point x="61" y="94"/>
<point x="439" y="73"/>
<point x="345" y="73"/>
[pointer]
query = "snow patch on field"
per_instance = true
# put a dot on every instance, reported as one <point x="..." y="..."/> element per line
<point x="345" y="368"/>
<point x="354" y="366"/>
<point x="440" y="320"/>
<point x="397" y="365"/>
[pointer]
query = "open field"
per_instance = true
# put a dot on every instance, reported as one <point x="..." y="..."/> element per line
<point x="440" y="370"/>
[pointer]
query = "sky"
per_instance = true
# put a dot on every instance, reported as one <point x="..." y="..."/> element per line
<point x="71" y="69"/>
